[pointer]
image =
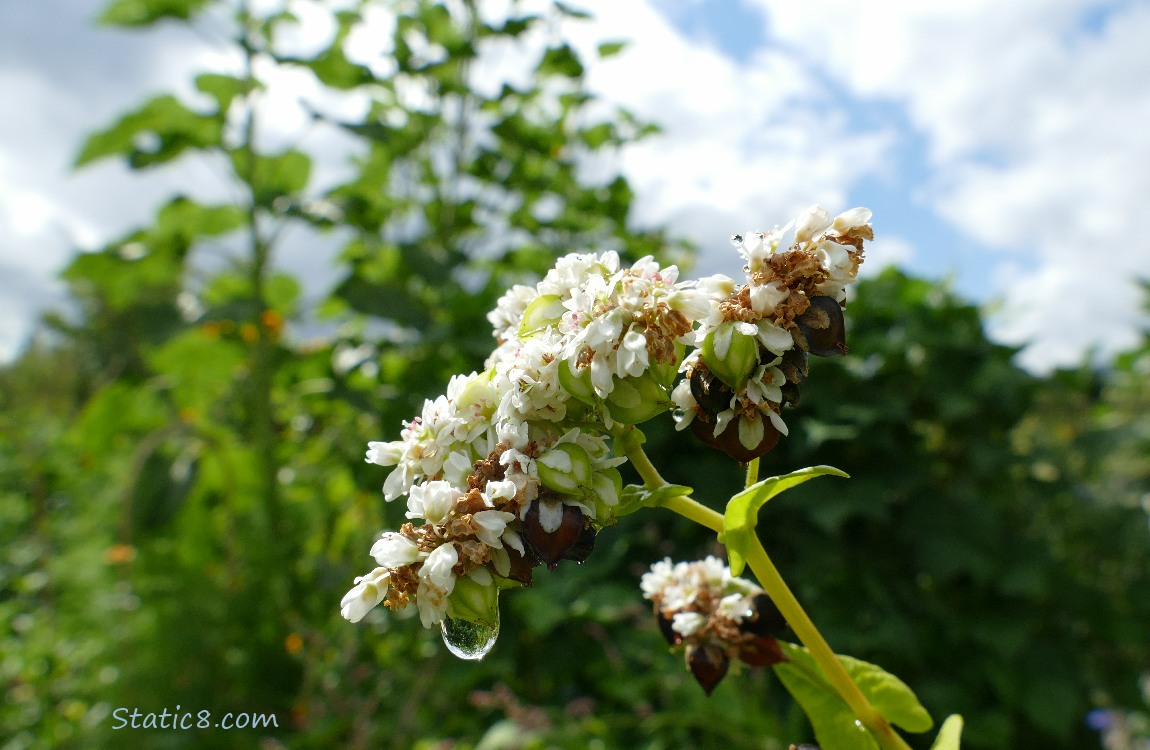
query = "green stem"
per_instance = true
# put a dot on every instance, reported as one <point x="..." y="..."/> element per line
<point x="752" y="472"/>
<point x="773" y="583"/>
<point x="810" y="637"/>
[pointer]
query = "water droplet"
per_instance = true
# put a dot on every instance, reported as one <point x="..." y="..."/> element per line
<point x="736" y="239"/>
<point x="467" y="639"/>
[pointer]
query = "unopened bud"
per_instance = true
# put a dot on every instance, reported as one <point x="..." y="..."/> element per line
<point x="634" y="400"/>
<point x="545" y="310"/>
<point x="731" y="352"/>
<point x="475" y="598"/>
<point x="566" y="468"/>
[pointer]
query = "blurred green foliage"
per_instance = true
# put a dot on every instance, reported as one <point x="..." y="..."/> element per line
<point x="184" y="496"/>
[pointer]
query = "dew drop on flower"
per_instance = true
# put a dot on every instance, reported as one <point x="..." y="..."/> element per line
<point x="736" y="239"/>
<point x="467" y="639"/>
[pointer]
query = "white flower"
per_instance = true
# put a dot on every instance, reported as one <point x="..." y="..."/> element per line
<point x="633" y="354"/>
<point x="765" y="297"/>
<point x="685" y="405"/>
<point x="814" y="221"/>
<point x="385" y="454"/>
<point x="734" y="606"/>
<point x="766" y="385"/>
<point x="369" y="590"/>
<point x="436" y="582"/>
<point x="777" y="339"/>
<point x="851" y="219"/>
<point x="687" y="624"/>
<point x="499" y="490"/>
<point x="432" y="501"/>
<point x="393" y="550"/>
<point x="491" y="525"/>
<point x="654" y="581"/>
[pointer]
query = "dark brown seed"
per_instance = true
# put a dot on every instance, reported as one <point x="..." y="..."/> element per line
<point x="767" y="620"/>
<point x="709" y="665"/>
<point x="553" y="546"/>
<point x="712" y="394"/>
<point x="823" y="327"/>
<point x="729" y="442"/>
<point x="761" y="652"/>
<point x="521" y="564"/>
<point x="583" y="547"/>
<point x="672" y="636"/>
<point x="795" y="365"/>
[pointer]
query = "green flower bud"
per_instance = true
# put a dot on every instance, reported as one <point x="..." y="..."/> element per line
<point x="731" y="354"/>
<point x="635" y="400"/>
<point x="607" y="486"/>
<point x="475" y="598"/>
<point x="545" y="310"/>
<point x="576" y="381"/>
<point x="566" y="468"/>
<point x="665" y="373"/>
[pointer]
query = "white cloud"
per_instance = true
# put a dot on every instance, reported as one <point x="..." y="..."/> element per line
<point x="887" y="250"/>
<point x="744" y="145"/>
<point x="1035" y="126"/>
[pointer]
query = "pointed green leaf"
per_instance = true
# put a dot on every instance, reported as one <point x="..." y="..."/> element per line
<point x="147" y="12"/>
<point x="156" y="133"/>
<point x="950" y="734"/>
<point x="273" y="176"/>
<point x="742" y="512"/>
<point x="561" y="61"/>
<point x="834" y="722"/>
<point x="607" y="49"/>
<point x="222" y="88"/>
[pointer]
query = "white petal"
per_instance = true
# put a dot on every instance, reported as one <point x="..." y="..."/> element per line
<point x="550" y="514"/>
<point x="393" y="550"/>
<point x="811" y="222"/>
<point x="773" y="337"/>
<point x="687" y="624"/>
<point x="750" y="432"/>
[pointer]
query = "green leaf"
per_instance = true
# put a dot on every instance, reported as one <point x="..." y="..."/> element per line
<point x="147" y="12"/>
<point x="834" y="723"/>
<point x="608" y="49"/>
<point x="561" y="61"/>
<point x="571" y="11"/>
<point x="156" y="133"/>
<point x="950" y="734"/>
<point x="831" y="718"/>
<point x="742" y="512"/>
<point x="273" y="176"/>
<point x="637" y="496"/>
<point x="222" y="88"/>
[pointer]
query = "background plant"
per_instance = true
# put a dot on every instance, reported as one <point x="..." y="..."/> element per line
<point x="183" y="484"/>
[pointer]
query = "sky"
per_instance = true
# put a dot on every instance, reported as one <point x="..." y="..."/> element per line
<point x="1000" y="145"/>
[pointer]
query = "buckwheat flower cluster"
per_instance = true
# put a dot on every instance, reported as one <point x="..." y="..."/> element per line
<point x="512" y="467"/>
<point x="753" y="345"/>
<point x="714" y="617"/>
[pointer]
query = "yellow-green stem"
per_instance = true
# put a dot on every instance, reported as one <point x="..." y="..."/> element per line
<point x="752" y="472"/>
<point x="773" y="583"/>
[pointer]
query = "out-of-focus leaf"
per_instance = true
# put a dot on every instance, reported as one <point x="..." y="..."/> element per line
<point x="158" y="132"/>
<point x="949" y="735"/>
<point x="275" y="176"/>
<point x="561" y="61"/>
<point x="147" y="12"/>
